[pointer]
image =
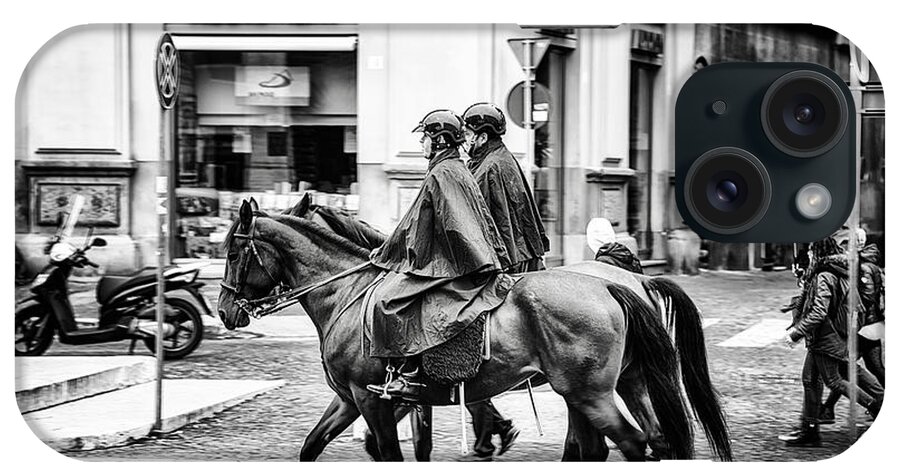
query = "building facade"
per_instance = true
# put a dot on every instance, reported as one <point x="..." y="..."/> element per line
<point x="275" y="111"/>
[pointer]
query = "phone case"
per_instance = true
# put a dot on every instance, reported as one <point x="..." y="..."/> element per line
<point x="189" y="143"/>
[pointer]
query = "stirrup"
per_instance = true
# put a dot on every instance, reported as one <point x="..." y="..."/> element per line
<point x="388" y="378"/>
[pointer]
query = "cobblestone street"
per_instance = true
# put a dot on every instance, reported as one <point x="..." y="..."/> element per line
<point x="758" y="377"/>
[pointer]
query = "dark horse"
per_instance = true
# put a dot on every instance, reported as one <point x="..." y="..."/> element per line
<point x="682" y="320"/>
<point x="578" y="346"/>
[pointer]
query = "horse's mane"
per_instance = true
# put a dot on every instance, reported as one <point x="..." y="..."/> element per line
<point x="307" y="227"/>
<point x="345" y="225"/>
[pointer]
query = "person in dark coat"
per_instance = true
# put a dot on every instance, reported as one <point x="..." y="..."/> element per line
<point x="443" y="260"/>
<point x="820" y="318"/>
<point x="601" y="239"/>
<point x="871" y="292"/>
<point x="509" y="199"/>
<point x="504" y="188"/>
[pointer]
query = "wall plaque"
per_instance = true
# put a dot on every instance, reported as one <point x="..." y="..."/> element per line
<point x="101" y="206"/>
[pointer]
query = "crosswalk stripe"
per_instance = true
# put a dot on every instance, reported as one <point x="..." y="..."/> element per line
<point x="710" y="321"/>
<point x="761" y="334"/>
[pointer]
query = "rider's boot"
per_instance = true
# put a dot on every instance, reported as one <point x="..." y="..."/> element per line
<point x="404" y="386"/>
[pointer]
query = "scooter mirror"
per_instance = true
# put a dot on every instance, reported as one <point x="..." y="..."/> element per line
<point x="98" y="242"/>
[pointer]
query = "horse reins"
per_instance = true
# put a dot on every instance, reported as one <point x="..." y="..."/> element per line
<point x="255" y="307"/>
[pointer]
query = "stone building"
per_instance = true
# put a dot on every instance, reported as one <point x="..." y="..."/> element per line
<point x="273" y="111"/>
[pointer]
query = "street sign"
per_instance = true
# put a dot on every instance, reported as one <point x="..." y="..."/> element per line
<point x="168" y="69"/>
<point x="539" y="48"/>
<point x="540" y="109"/>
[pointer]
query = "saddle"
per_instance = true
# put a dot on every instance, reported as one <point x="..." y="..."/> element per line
<point x="440" y="319"/>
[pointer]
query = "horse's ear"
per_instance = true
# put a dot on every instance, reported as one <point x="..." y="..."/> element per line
<point x="246" y="215"/>
<point x="253" y="205"/>
<point x="304" y="205"/>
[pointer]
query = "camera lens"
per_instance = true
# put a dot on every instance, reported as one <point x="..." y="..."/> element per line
<point x="804" y="113"/>
<point x="727" y="190"/>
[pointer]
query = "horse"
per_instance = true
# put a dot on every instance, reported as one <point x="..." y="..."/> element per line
<point x="578" y="346"/>
<point x="682" y="318"/>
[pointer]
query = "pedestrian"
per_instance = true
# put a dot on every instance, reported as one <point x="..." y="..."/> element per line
<point x="512" y="207"/>
<point x="445" y="243"/>
<point x="820" y="318"/>
<point x="601" y="240"/>
<point x="871" y="293"/>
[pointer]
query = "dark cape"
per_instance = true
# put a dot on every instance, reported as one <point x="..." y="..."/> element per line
<point x="448" y="231"/>
<point x="505" y="190"/>
<point x="443" y="259"/>
<point x="619" y="255"/>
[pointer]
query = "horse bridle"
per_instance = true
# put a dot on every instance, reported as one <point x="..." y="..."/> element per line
<point x="278" y="299"/>
<point x="243" y="303"/>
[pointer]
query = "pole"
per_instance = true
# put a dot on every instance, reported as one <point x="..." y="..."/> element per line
<point x="527" y="100"/>
<point x="463" y="441"/>
<point x="853" y="249"/>
<point x="537" y="417"/>
<point x="161" y="193"/>
<point x="167" y="78"/>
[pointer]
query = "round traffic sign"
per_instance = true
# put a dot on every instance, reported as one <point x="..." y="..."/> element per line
<point x="540" y="104"/>
<point x="167" y="71"/>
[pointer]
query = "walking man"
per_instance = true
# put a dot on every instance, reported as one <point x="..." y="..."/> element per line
<point x="871" y="293"/>
<point x="821" y="316"/>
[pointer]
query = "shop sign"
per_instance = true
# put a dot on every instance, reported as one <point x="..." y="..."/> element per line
<point x="272" y="85"/>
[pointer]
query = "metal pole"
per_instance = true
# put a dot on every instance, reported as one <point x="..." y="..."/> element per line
<point x="463" y="441"/>
<point x="537" y="417"/>
<point x="853" y="251"/>
<point x="161" y="193"/>
<point x="527" y="99"/>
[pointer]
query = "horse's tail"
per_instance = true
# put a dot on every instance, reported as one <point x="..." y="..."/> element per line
<point x="683" y="314"/>
<point x="648" y="345"/>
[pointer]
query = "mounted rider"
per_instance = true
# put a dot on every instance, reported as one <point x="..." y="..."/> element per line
<point x="443" y="258"/>
<point x="506" y="192"/>
<point x="504" y="188"/>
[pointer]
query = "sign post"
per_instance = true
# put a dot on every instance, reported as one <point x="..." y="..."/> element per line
<point x="167" y="78"/>
<point x="859" y="74"/>
<point x="529" y="52"/>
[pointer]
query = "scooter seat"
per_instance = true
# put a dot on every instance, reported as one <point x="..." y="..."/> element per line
<point x="109" y="286"/>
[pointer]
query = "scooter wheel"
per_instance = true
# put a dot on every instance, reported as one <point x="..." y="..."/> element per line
<point x="34" y="330"/>
<point x="188" y="329"/>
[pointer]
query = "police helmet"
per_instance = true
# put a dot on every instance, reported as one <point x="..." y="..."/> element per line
<point x="485" y="117"/>
<point x="442" y="122"/>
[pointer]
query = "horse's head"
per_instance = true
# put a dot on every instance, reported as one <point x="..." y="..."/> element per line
<point x="252" y="268"/>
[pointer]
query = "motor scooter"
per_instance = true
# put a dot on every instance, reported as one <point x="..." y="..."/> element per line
<point x="127" y="304"/>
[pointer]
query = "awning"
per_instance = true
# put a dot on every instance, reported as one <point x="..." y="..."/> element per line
<point x="264" y="43"/>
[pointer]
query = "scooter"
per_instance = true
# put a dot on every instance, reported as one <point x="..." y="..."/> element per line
<point x="127" y="305"/>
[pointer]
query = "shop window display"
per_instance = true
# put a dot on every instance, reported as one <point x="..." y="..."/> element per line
<point x="271" y="125"/>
